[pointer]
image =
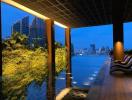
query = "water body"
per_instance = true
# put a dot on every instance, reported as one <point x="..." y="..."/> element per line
<point x="84" y="71"/>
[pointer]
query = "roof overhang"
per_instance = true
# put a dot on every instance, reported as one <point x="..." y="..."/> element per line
<point x="73" y="13"/>
<point x="26" y="9"/>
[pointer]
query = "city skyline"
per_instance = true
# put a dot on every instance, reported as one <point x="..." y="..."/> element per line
<point x="92" y="50"/>
<point x="81" y="37"/>
<point x="21" y="26"/>
<point x="35" y="32"/>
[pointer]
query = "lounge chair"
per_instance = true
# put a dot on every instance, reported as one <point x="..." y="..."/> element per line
<point x="126" y="60"/>
<point x="122" y="70"/>
<point x="112" y="58"/>
<point x="121" y="67"/>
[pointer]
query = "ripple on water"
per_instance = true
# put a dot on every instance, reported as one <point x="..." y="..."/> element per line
<point x="94" y="75"/>
<point x="71" y="77"/>
<point x="60" y="78"/>
<point x="87" y="83"/>
<point x="95" y="72"/>
<point x="74" y="82"/>
<point x="91" y="78"/>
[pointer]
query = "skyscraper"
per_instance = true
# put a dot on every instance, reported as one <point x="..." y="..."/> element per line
<point x="16" y="27"/>
<point x="22" y="26"/>
<point x="37" y="35"/>
<point x="35" y="32"/>
<point x="92" y="49"/>
<point x="25" y="26"/>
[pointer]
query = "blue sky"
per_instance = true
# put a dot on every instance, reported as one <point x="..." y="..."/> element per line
<point x="81" y="37"/>
<point x="99" y="35"/>
<point x="128" y="35"/>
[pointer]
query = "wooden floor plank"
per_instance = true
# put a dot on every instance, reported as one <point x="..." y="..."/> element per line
<point x="111" y="87"/>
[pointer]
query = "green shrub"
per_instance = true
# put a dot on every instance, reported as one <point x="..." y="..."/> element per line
<point x="22" y="66"/>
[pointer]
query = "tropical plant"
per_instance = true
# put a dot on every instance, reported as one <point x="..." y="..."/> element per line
<point x="58" y="45"/>
<point x="20" y="38"/>
<point x="22" y="66"/>
<point x="16" y="40"/>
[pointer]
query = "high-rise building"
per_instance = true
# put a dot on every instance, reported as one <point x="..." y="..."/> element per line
<point x="107" y="50"/>
<point x="37" y="35"/>
<point x="92" y="49"/>
<point x="36" y="32"/>
<point x="25" y="26"/>
<point x="22" y="26"/>
<point x="16" y="27"/>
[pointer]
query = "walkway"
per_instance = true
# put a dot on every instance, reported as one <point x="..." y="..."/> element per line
<point x="111" y="87"/>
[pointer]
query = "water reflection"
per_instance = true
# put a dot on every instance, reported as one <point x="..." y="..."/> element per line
<point x="85" y="69"/>
<point x="60" y="82"/>
<point x="94" y="75"/>
<point x="74" y="82"/>
<point x="30" y="82"/>
<point x="91" y="78"/>
<point x="36" y="92"/>
<point x="87" y="83"/>
<point x="25" y="73"/>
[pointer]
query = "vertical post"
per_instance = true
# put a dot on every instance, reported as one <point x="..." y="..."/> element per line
<point x="68" y="57"/>
<point x="51" y="60"/>
<point x="118" y="41"/>
<point x="117" y="19"/>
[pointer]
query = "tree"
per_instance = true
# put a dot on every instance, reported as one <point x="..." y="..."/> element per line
<point x="19" y="38"/>
<point x="58" y="45"/>
<point x="16" y="40"/>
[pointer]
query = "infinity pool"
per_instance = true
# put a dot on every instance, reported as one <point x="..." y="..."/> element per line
<point x="84" y="71"/>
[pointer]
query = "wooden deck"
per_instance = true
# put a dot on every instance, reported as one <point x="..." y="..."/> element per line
<point x="111" y="87"/>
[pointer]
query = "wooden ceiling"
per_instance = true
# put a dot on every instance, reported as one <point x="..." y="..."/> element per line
<point x="78" y="13"/>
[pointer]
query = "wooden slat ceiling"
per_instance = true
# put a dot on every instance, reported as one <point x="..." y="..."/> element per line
<point x="78" y="13"/>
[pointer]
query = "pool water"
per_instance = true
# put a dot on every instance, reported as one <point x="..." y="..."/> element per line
<point x="84" y="71"/>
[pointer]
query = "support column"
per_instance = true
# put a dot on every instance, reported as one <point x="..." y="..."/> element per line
<point x="51" y="60"/>
<point x="118" y="41"/>
<point x="68" y="57"/>
<point x="118" y="9"/>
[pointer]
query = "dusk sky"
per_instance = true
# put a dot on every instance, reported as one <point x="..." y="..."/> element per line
<point x="81" y="37"/>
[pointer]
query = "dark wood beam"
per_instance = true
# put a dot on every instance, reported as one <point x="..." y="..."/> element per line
<point x="68" y="57"/>
<point x="51" y="60"/>
<point x="117" y="19"/>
